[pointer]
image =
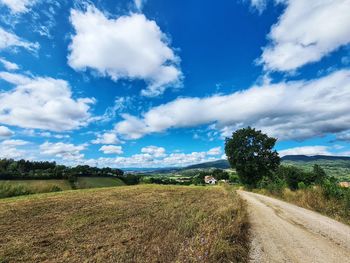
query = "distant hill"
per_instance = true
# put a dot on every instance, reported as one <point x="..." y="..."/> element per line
<point x="222" y="164"/>
<point x="305" y="158"/>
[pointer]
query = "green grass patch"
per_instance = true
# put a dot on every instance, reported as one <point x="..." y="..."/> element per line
<point x="97" y="182"/>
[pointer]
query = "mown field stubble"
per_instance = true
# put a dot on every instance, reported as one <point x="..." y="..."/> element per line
<point x="126" y="224"/>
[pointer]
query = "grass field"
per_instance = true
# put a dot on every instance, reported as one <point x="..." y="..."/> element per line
<point x="145" y="223"/>
<point x="96" y="182"/>
<point x="9" y="188"/>
<point x="40" y="185"/>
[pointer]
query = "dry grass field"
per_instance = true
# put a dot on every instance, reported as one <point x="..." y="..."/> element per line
<point x="145" y="223"/>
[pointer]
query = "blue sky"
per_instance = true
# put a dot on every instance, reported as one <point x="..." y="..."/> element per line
<point x="162" y="83"/>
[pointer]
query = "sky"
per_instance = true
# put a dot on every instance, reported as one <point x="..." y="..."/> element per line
<point x="154" y="83"/>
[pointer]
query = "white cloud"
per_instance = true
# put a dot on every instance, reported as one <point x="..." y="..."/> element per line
<point x="306" y="150"/>
<point x="154" y="151"/>
<point x="146" y="160"/>
<point x="9" y="65"/>
<point x="42" y="103"/>
<point x="14" y="142"/>
<point x="106" y="138"/>
<point x="5" y="132"/>
<point x="65" y="151"/>
<point x="306" y="32"/>
<point x="343" y="136"/>
<point x="111" y="149"/>
<point x="12" y="149"/>
<point x="120" y="104"/>
<point x="10" y="40"/>
<point x="259" y="5"/>
<point x="18" y="6"/>
<point x="214" y="151"/>
<point x="287" y="110"/>
<point x="129" y="47"/>
<point x="139" y="3"/>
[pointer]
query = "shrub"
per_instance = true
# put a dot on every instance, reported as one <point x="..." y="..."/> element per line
<point x="347" y="201"/>
<point x="301" y="185"/>
<point x="331" y="189"/>
<point x="234" y="178"/>
<point x="9" y="190"/>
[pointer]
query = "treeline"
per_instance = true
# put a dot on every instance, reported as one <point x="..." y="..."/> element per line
<point x="23" y="169"/>
<point x="193" y="177"/>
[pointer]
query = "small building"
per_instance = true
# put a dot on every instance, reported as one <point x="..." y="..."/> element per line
<point x="344" y="184"/>
<point x="210" y="180"/>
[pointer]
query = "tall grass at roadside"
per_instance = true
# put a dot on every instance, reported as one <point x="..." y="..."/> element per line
<point x="333" y="202"/>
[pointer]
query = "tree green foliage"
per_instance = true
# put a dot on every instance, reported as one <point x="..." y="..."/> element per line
<point x="251" y="153"/>
<point x="319" y="174"/>
<point x="234" y="178"/>
<point x="22" y="169"/>
<point x="130" y="179"/>
<point x="294" y="176"/>
<point x="220" y="174"/>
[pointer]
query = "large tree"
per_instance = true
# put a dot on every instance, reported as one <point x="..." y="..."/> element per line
<point x="251" y="153"/>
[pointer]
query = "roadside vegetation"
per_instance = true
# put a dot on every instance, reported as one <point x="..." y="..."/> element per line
<point x="312" y="190"/>
<point x="144" y="223"/>
<point x="251" y="153"/>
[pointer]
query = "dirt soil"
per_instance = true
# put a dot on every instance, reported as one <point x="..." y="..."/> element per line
<point x="282" y="232"/>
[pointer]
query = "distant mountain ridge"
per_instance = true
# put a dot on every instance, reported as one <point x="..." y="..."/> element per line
<point x="306" y="158"/>
<point x="223" y="164"/>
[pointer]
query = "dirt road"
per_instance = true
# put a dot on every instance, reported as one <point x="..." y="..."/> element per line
<point x="282" y="232"/>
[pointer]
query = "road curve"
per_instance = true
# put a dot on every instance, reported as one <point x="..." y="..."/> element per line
<point x="282" y="232"/>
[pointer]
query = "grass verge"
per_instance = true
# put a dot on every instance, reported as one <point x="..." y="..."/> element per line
<point x="314" y="198"/>
<point x="145" y="223"/>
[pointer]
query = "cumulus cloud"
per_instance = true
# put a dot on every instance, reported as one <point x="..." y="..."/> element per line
<point x="139" y="3"/>
<point x="65" y="151"/>
<point x="106" y="138"/>
<point x="5" y="132"/>
<point x="42" y="103"/>
<point x="9" y="65"/>
<point x="145" y="160"/>
<point x="287" y="110"/>
<point x="306" y="150"/>
<point x="14" y="142"/>
<point x="214" y="151"/>
<point x="111" y="149"/>
<point x="10" y="40"/>
<point x="154" y="151"/>
<point x="259" y="5"/>
<point x="18" y="6"/>
<point x="129" y="47"/>
<point x="306" y="32"/>
<point x="13" y="149"/>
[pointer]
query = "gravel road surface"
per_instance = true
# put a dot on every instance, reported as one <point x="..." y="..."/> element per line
<point x="282" y="232"/>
